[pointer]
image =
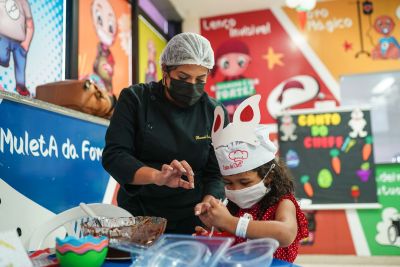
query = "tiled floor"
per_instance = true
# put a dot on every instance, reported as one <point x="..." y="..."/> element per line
<point x="347" y="261"/>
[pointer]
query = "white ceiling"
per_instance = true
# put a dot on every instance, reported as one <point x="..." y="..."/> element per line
<point x="206" y="8"/>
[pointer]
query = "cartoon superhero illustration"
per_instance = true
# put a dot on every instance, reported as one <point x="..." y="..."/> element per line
<point x="151" y="72"/>
<point x="232" y="59"/>
<point x="105" y="23"/>
<point x="357" y="124"/>
<point x="16" y="33"/>
<point x="388" y="47"/>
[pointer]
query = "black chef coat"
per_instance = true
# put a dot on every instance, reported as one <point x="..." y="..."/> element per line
<point x="148" y="130"/>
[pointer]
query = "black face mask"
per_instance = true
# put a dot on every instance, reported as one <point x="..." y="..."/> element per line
<point x="184" y="93"/>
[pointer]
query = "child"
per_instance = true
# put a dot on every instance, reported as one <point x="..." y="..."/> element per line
<point x="257" y="185"/>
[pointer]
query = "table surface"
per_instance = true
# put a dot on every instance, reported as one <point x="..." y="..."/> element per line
<point x="275" y="263"/>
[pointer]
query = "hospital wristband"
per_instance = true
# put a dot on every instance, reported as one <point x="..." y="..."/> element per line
<point x="241" y="227"/>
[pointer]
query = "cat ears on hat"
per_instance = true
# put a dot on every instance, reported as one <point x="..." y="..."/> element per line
<point x="246" y="117"/>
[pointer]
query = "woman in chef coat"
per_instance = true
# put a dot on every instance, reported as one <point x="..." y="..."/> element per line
<point x="158" y="144"/>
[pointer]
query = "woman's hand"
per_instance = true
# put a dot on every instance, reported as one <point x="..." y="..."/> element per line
<point x="171" y="175"/>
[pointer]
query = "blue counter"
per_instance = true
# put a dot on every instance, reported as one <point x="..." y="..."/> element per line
<point x="275" y="263"/>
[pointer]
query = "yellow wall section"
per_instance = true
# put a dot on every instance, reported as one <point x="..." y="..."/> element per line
<point x="147" y="33"/>
<point x="333" y="23"/>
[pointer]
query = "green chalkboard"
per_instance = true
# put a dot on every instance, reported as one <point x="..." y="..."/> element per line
<point x="330" y="155"/>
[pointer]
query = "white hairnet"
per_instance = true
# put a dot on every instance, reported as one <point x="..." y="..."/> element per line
<point x="188" y="48"/>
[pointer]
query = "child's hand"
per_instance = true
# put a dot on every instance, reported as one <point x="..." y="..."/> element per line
<point x="217" y="215"/>
<point x="201" y="208"/>
<point x="205" y="219"/>
<point x="200" y="231"/>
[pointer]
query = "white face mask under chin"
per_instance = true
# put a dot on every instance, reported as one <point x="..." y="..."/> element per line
<point x="245" y="198"/>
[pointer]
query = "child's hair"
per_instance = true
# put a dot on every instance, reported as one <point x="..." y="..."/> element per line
<point x="281" y="184"/>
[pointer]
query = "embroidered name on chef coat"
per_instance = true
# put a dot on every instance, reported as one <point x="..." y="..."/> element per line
<point x="198" y="137"/>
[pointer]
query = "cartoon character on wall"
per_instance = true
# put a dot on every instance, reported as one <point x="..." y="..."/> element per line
<point x="151" y="71"/>
<point x="16" y="33"/>
<point x="388" y="229"/>
<point x="232" y="59"/>
<point x="287" y="128"/>
<point x="388" y="47"/>
<point x="105" y="23"/>
<point x="357" y="124"/>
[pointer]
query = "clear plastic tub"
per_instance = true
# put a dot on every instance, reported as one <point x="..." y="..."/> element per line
<point x="253" y="253"/>
<point x="178" y="250"/>
<point x="181" y="254"/>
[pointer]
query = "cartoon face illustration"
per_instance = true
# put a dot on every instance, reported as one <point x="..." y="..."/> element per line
<point x="104" y="21"/>
<point x="388" y="47"/>
<point x="233" y="64"/>
<point x="384" y="25"/>
<point x="287" y="119"/>
<point x="357" y="114"/>
<point x="232" y="59"/>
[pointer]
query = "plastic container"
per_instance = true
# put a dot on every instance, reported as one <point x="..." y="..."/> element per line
<point x="199" y="251"/>
<point x="181" y="254"/>
<point x="253" y="253"/>
<point x="178" y="250"/>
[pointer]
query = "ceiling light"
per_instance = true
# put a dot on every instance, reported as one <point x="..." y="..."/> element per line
<point x="383" y="85"/>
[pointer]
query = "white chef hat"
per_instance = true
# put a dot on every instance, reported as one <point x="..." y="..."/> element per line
<point x="188" y="48"/>
<point x="243" y="144"/>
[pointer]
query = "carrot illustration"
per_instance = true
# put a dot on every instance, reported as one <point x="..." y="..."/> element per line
<point x="335" y="162"/>
<point x="367" y="148"/>
<point x="306" y="185"/>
